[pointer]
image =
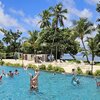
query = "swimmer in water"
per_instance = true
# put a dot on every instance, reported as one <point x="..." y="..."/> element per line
<point x="76" y="80"/>
<point x="34" y="81"/>
<point x="10" y="74"/>
<point x="16" y="72"/>
<point x="3" y="73"/>
<point x="25" y="68"/>
<point x="0" y="77"/>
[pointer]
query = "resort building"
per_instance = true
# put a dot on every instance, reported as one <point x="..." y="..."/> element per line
<point x="38" y="58"/>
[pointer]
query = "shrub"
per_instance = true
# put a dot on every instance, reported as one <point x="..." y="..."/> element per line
<point x="50" y="67"/>
<point x="88" y="72"/>
<point x="77" y="61"/>
<point x="1" y="62"/>
<point x="17" y="65"/>
<point x="58" y="69"/>
<point x="32" y="66"/>
<point x="61" y="69"/>
<point x="8" y="64"/>
<point x="29" y="65"/>
<point x="42" y="67"/>
<point x="97" y="73"/>
<point x="79" y="71"/>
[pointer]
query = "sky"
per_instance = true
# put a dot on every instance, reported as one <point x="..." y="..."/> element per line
<point x="23" y="15"/>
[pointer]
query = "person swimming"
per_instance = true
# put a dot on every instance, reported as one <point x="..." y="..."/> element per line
<point x="97" y="83"/>
<point x="25" y="67"/>
<point x="10" y="74"/>
<point x="0" y="77"/>
<point x="3" y="73"/>
<point x="16" y="72"/>
<point x="75" y="81"/>
<point x="34" y="81"/>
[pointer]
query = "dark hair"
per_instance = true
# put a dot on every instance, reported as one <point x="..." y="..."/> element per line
<point x="16" y="70"/>
<point x="10" y="71"/>
<point x="73" y="69"/>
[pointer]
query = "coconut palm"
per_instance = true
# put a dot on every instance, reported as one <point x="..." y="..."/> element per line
<point x="45" y="19"/>
<point x="82" y="28"/>
<point x="11" y="39"/>
<point x="29" y="44"/>
<point x="57" y="13"/>
<point x="97" y="39"/>
<point x="92" y="45"/>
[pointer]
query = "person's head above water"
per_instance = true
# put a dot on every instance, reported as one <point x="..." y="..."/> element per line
<point x="16" y="70"/>
<point x="73" y="70"/>
<point x="10" y="71"/>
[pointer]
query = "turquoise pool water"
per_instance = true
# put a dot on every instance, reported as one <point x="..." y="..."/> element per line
<point x="51" y="87"/>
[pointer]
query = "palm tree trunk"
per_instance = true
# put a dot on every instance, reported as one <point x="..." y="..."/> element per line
<point x="92" y="63"/>
<point x="56" y="52"/>
<point x="72" y="56"/>
<point x="51" y="54"/>
<point x="85" y="51"/>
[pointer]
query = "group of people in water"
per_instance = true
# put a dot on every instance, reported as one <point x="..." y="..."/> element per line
<point x="33" y="79"/>
<point x="10" y="74"/>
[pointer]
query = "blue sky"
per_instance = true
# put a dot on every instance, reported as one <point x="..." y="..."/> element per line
<point x="24" y="14"/>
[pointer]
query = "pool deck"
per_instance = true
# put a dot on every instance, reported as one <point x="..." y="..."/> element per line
<point x="68" y="66"/>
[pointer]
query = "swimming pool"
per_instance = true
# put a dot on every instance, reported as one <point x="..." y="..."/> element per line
<point x="51" y="87"/>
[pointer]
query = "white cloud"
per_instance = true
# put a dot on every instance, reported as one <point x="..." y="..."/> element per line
<point x="19" y="12"/>
<point x="7" y="21"/>
<point x="71" y="6"/>
<point x="85" y="13"/>
<point x="92" y="2"/>
<point x="33" y="21"/>
<point x="68" y="22"/>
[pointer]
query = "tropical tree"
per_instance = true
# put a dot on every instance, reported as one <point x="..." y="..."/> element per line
<point x="29" y="45"/>
<point x="92" y="45"/>
<point x="69" y="42"/>
<point x="1" y="46"/>
<point x="45" y="19"/>
<point x="82" y="28"/>
<point x="57" y="13"/>
<point x="11" y="39"/>
<point x="97" y="40"/>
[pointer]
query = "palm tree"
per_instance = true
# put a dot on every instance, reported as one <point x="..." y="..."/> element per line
<point x="92" y="48"/>
<point x="45" y="19"/>
<point x="82" y="28"/>
<point x="7" y="36"/>
<point x="97" y="39"/>
<point x="30" y="42"/>
<point x="11" y="39"/>
<point x="57" y="13"/>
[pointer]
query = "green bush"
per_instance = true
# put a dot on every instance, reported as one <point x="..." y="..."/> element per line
<point x="77" y="61"/>
<point x="79" y="71"/>
<point x="17" y="65"/>
<point x="88" y="72"/>
<point x="1" y="62"/>
<point x="42" y="67"/>
<point x="29" y="65"/>
<point x="61" y="69"/>
<point x="8" y="64"/>
<point x="97" y="73"/>
<point x="32" y="66"/>
<point x="58" y="69"/>
<point x="50" y="67"/>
